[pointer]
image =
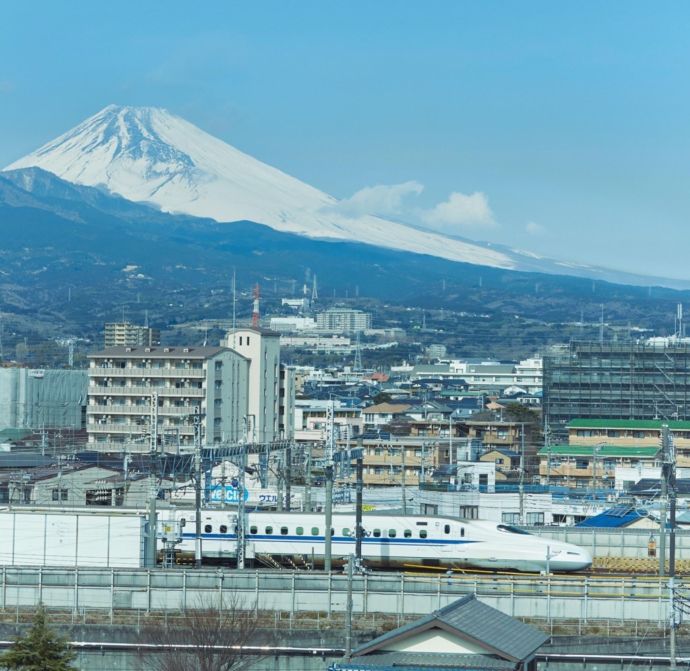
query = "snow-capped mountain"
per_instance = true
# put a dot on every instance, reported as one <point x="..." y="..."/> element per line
<point x="147" y="154"/>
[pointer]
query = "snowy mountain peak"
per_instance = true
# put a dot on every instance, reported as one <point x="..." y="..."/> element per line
<point x="147" y="154"/>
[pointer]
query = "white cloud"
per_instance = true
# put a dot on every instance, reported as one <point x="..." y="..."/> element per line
<point x="460" y="211"/>
<point x="382" y="199"/>
<point x="533" y="228"/>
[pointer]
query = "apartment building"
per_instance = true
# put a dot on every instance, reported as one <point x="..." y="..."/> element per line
<point x="343" y="320"/>
<point x="125" y="334"/>
<point x="123" y="380"/>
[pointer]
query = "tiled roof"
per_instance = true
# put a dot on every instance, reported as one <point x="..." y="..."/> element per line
<point x="387" y="408"/>
<point x="426" y="661"/>
<point x="614" y="518"/>
<point x="160" y="352"/>
<point x="471" y="619"/>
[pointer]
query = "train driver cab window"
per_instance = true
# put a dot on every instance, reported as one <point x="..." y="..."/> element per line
<point x="299" y="531"/>
<point x="253" y="529"/>
<point x="422" y="533"/>
<point x="446" y="529"/>
<point x="208" y="529"/>
<point x="346" y="532"/>
<point x="315" y="531"/>
<point x="462" y="532"/>
<point x="223" y="529"/>
<point x="376" y="533"/>
<point x="269" y="531"/>
<point x="283" y="531"/>
<point x="407" y="533"/>
<point x="392" y="533"/>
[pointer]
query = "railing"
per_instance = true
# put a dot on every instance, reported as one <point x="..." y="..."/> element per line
<point x="137" y="373"/>
<point x="146" y="391"/>
<point x="143" y="410"/>
<point x="549" y="598"/>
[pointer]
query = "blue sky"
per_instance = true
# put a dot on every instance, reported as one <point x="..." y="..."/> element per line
<point x="563" y="126"/>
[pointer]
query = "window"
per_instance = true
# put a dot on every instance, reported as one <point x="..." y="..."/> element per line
<point x="510" y="518"/>
<point x="392" y="533"/>
<point x="59" y="494"/>
<point x="300" y="531"/>
<point x="581" y="463"/>
<point x="315" y="531"/>
<point x="346" y="532"/>
<point x="446" y="528"/>
<point x="422" y="533"/>
<point x="208" y="529"/>
<point x="223" y="529"/>
<point x="253" y="529"/>
<point x="247" y="340"/>
<point x="535" y="519"/>
<point x="269" y="531"/>
<point x="462" y="532"/>
<point x="376" y="533"/>
<point x="283" y="531"/>
<point x="407" y="533"/>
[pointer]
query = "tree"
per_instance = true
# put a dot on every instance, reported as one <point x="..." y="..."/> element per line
<point x="40" y="649"/>
<point x="204" y="638"/>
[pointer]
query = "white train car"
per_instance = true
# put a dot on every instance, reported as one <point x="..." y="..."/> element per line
<point x="388" y="541"/>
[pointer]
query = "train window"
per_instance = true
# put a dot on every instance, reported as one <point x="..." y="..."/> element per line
<point x="223" y="529"/>
<point x="392" y="533"/>
<point x="407" y="533"/>
<point x="208" y="529"/>
<point x="462" y="532"/>
<point x="315" y="531"/>
<point x="512" y="530"/>
<point x="422" y="533"/>
<point x="253" y="529"/>
<point x="346" y="532"/>
<point x="446" y="529"/>
<point x="299" y="531"/>
<point x="269" y="530"/>
<point x="422" y="524"/>
<point x="376" y="533"/>
<point x="283" y="531"/>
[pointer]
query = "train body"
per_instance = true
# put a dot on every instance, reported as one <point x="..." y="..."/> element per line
<point x="393" y="541"/>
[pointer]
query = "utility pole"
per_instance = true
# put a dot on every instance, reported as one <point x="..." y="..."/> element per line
<point x="241" y="510"/>
<point x="307" y="482"/>
<point x="668" y="477"/>
<point x="664" y="500"/>
<point x="521" y="485"/>
<point x="288" y="476"/>
<point x="197" y="486"/>
<point x="152" y="550"/>
<point x="404" y="482"/>
<point x="330" y="447"/>
<point x="348" y="608"/>
<point x="359" y="486"/>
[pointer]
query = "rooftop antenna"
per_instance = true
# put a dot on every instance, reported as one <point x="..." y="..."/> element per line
<point x="256" y="318"/>
<point x="358" y="355"/>
<point x="601" y="326"/>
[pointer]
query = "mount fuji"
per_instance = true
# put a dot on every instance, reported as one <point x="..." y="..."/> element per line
<point x="147" y="154"/>
<point x="150" y="156"/>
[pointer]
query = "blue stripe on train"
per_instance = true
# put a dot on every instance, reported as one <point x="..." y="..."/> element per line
<point x="335" y="539"/>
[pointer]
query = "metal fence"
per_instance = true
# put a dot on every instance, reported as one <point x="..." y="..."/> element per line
<point x="548" y="598"/>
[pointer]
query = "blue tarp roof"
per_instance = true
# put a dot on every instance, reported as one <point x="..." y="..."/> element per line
<point x="620" y="516"/>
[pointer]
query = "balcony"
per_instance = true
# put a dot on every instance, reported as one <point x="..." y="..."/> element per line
<point x="139" y="410"/>
<point x="131" y="429"/>
<point x="138" y="373"/>
<point x="191" y="392"/>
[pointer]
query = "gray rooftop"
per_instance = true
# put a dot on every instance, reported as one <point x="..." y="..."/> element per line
<point x="472" y="620"/>
<point x="160" y="352"/>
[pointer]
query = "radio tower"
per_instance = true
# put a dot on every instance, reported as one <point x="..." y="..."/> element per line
<point x="314" y="290"/>
<point x="255" y="312"/>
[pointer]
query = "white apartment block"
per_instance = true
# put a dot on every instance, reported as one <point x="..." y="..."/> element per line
<point x="214" y="380"/>
<point x="343" y="320"/>
<point x="261" y="347"/>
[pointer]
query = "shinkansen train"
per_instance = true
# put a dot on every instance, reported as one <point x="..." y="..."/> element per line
<point x="388" y="541"/>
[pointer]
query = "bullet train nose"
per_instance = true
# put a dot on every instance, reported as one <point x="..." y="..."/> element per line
<point x="571" y="558"/>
